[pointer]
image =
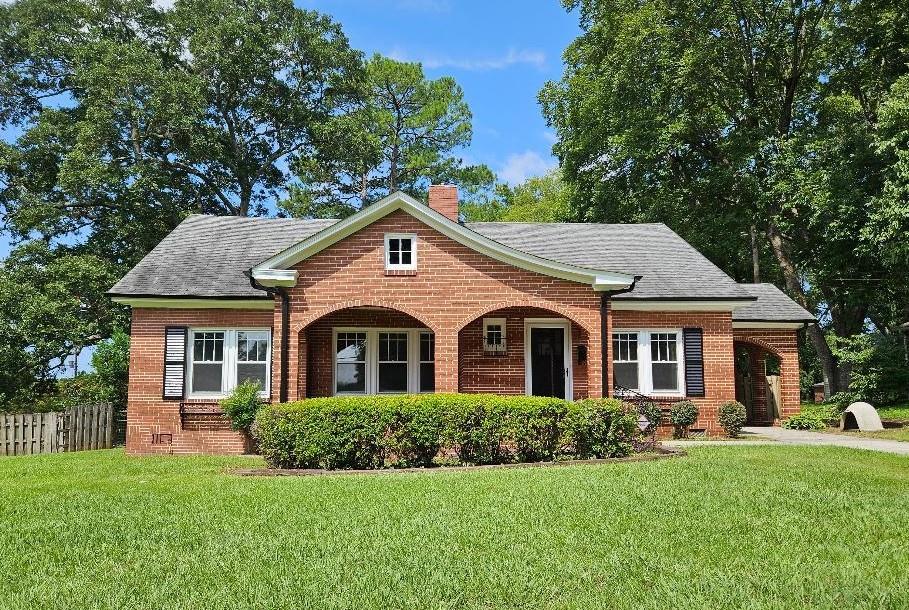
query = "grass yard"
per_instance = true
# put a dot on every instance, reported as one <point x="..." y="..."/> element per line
<point x="893" y="434"/>
<point x="742" y="527"/>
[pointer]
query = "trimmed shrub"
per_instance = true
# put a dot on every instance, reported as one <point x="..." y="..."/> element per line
<point x="599" y="428"/>
<point x="732" y="417"/>
<point x="682" y="415"/>
<point x="412" y="430"/>
<point x="242" y="404"/>
<point x="805" y="421"/>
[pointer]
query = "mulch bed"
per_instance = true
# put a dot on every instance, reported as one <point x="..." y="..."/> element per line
<point x="658" y="454"/>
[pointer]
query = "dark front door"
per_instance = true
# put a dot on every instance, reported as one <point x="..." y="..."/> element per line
<point x="547" y="362"/>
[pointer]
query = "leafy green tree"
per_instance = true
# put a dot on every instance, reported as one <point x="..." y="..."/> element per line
<point x="51" y="306"/>
<point x="538" y="199"/>
<point x="110" y="362"/>
<point x="753" y="128"/>
<point x="168" y="104"/>
<point x="407" y="138"/>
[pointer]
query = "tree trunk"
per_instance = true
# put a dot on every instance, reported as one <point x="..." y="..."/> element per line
<point x="755" y="256"/>
<point x="829" y="362"/>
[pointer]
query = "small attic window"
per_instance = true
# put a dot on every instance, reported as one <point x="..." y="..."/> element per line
<point x="400" y="251"/>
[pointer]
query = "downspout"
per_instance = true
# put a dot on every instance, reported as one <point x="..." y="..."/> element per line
<point x="605" y="296"/>
<point x="285" y="331"/>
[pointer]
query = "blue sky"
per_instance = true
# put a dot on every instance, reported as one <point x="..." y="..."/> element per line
<point x="501" y="52"/>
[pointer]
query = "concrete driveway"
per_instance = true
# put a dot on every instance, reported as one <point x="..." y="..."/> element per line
<point x="762" y="435"/>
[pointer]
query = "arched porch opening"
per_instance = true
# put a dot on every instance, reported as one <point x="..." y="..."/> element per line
<point x="523" y="349"/>
<point x="365" y="349"/>
<point x="757" y="381"/>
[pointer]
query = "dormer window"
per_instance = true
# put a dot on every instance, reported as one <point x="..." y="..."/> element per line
<point x="400" y="251"/>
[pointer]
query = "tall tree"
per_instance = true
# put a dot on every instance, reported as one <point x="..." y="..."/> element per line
<point x="544" y="198"/>
<point x="130" y="110"/>
<point x="735" y="118"/>
<point x="408" y="137"/>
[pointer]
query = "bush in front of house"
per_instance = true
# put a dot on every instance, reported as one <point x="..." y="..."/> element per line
<point x="413" y="430"/>
<point x="242" y="405"/>
<point x="805" y="421"/>
<point x="682" y="415"/>
<point x="732" y="416"/>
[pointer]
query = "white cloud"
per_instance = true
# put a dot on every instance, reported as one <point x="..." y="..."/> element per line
<point x="163" y="5"/>
<point x="550" y="136"/>
<point x="513" y="57"/>
<point x="519" y="167"/>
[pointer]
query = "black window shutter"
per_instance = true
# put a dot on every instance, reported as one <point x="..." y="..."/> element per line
<point x="174" y="362"/>
<point x="694" y="362"/>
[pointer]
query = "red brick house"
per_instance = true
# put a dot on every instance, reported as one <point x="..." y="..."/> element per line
<point x="402" y="297"/>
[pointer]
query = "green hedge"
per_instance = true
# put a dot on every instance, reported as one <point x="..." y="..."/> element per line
<point x="415" y="430"/>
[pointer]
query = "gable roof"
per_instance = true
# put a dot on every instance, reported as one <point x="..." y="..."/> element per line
<point x="276" y="269"/>
<point x="772" y="305"/>
<point x="211" y="257"/>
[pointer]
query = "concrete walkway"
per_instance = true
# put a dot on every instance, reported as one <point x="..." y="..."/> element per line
<point x="763" y="435"/>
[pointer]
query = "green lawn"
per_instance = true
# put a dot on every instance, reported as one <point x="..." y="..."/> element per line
<point x="893" y="434"/>
<point x="743" y="527"/>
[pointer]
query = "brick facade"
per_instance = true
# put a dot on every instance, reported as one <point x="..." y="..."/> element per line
<point x="453" y="288"/>
<point x="719" y="363"/>
<point x="149" y="417"/>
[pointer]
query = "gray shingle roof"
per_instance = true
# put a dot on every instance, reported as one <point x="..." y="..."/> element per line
<point x="207" y="256"/>
<point x="772" y="305"/>
<point x="670" y="266"/>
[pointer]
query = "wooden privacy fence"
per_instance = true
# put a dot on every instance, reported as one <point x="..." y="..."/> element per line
<point x="76" y="429"/>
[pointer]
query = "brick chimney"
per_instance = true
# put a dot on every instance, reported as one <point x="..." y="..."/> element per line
<point x="443" y="198"/>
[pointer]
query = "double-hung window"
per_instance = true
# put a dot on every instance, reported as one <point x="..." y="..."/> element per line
<point x="383" y="361"/>
<point x="221" y="359"/>
<point x="648" y="361"/>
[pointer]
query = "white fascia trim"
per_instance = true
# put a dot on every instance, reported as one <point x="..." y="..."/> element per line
<point x="777" y="325"/>
<point x="277" y="277"/>
<point x="633" y="305"/>
<point x="464" y="236"/>
<point x="165" y="303"/>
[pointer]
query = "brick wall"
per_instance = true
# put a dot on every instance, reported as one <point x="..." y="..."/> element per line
<point x="452" y="286"/>
<point x="784" y="344"/>
<point x="315" y="373"/>
<point x="504" y="373"/>
<point x="719" y="363"/>
<point x="148" y="414"/>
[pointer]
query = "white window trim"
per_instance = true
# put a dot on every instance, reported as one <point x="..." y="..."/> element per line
<point x="502" y="322"/>
<point x="372" y="358"/>
<point x="229" y="368"/>
<point x="645" y="368"/>
<point x="528" y="364"/>
<point x="413" y="252"/>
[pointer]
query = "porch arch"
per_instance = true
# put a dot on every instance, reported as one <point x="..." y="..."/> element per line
<point x="528" y="303"/>
<point x="313" y="315"/>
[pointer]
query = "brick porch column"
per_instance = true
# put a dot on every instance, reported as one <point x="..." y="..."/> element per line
<point x="446" y="361"/>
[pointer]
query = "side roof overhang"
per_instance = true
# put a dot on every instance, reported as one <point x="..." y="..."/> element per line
<point x="276" y="270"/>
